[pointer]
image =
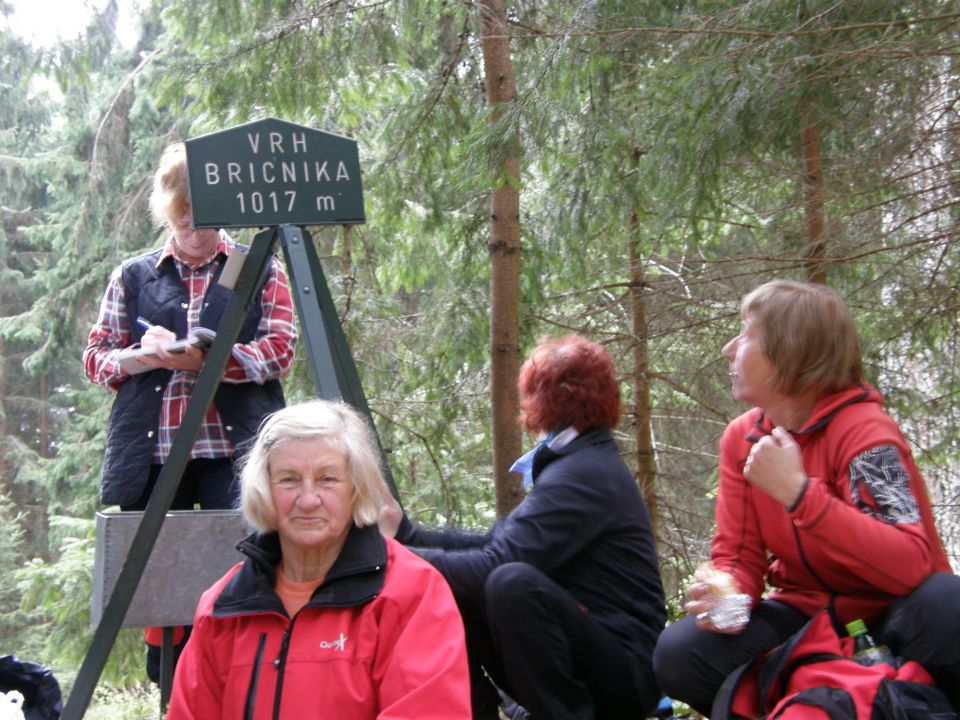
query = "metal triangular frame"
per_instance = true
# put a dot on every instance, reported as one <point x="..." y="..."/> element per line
<point x="334" y="374"/>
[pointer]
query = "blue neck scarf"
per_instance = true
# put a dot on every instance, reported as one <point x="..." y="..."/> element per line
<point x="524" y="463"/>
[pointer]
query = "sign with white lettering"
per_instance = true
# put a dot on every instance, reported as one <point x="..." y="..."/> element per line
<point x="273" y="172"/>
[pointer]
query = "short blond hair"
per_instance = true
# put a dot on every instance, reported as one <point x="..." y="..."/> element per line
<point x="337" y="425"/>
<point x="808" y="334"/>
<point x="170" y="197"/>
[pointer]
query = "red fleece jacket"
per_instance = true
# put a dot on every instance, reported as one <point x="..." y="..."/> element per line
<point x="398" y="655"/>
<point x="830" y="544"/>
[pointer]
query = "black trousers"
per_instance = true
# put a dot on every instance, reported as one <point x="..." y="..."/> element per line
<point x="207" y="482"/>
<point x="691" y="663"/>
<point x="540" y="647"/>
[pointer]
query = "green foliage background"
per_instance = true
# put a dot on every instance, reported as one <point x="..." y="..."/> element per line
<point x="668" y="132"/>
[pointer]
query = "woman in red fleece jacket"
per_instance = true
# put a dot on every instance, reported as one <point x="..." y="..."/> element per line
<point x="819" y="499"/>
<point x="326" y="618"/>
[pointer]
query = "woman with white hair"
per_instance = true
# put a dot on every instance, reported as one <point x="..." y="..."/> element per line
<point x="325" y="617"/>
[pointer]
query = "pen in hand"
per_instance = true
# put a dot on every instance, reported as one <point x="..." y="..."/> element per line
<point x="160" y="333"/>
<point x="156" y="347"/>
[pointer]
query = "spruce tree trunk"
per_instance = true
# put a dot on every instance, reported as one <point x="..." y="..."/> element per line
<point x="642" y="414"/>
<point x="646" y="467"/>
<point x="346" y="256"/>
<point x="504" y="263"/>
<point x="816" y="255"/>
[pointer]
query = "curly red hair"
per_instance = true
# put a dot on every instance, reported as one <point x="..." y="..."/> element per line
<point x="569" y="381"/>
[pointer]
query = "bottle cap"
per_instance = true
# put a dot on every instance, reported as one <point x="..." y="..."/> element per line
<point x="856" y="627"/>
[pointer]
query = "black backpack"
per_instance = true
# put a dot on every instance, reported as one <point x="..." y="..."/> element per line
<point x="40" y="689"/>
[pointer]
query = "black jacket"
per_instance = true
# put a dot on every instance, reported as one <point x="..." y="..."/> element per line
<point x="584" y="524"/>
<point x="158" y="294"/>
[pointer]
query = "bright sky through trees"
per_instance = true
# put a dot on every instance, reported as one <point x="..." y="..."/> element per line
<point x="43" y="22"/>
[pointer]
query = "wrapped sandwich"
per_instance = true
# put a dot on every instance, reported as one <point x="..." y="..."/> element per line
<point x="729" y="608"/>
<point x="720" y="582"/>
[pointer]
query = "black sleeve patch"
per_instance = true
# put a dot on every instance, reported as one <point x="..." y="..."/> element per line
<point x="878" y="473"/>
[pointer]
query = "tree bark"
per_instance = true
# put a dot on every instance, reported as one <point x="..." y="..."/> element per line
<point x="646" y="466"/>
<point x="346" y="256"/>
<point x="504" y="262"/>
<point x="816" y="255"/>
<point x="642" y="414"/>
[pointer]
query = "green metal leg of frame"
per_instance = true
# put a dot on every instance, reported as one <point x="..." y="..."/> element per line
<point x="110" y="623"/>
<point x="166" y="669"/>
<point x="331" y="363"/>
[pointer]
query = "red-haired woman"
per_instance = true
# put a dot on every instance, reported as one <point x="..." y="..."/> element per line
<point x="562" y="599"/>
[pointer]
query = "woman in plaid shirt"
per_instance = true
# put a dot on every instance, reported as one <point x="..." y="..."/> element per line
<point x="152" y="300"/>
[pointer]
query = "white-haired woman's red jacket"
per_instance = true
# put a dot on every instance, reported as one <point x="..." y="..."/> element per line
<point x="381" y="638"/>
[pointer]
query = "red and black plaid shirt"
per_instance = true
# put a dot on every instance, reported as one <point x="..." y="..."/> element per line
<point x="268" y="356"/>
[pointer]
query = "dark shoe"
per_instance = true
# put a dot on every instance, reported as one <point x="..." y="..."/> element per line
<point x="510" y="709"/>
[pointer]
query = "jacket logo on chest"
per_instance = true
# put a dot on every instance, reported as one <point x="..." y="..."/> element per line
<point x="339" y="644"/>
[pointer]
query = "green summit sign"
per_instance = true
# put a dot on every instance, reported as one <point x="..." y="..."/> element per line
<point x="273" y="172"/>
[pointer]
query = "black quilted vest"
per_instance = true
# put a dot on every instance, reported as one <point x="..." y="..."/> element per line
<point x="158" y="294"/>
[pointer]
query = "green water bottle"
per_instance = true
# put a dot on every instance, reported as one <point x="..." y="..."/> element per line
<point x="866" y="651"/>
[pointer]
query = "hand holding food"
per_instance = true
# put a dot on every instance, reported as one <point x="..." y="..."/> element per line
<point x="720" y="583"/>
<point x="716" y="601"/>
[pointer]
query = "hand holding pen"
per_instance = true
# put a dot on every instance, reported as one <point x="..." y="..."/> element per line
<point x="157" y="338"/>
<point x="144" y="323"/>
